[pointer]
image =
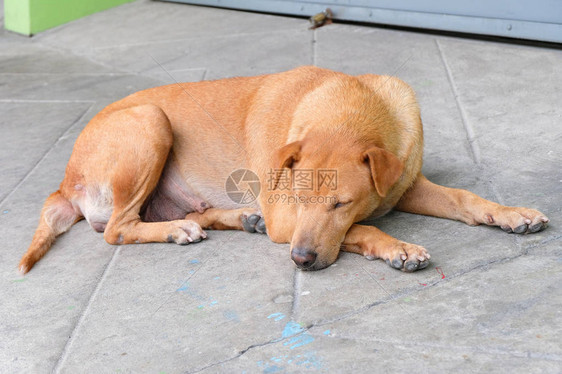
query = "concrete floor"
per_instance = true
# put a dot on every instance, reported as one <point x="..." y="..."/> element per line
<point x="488" y="302"/>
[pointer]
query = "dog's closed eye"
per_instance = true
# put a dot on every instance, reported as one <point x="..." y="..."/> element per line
<point x="340" y="204"/>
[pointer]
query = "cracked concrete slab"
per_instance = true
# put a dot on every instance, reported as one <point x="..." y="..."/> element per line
<point x="488" y="302"/>
<point x="159" y="21"/>
<point x="30" y="130"/>
<point x="369" y="354"/>
<point x="39" y="311"/>
<point x="46" y="61"/>
<point x="190" y="305"/>
<point x="510" y="96"/>
<point x="62" y="87"/>
<point x="268" y="52"/>
<point x="172" y="76"/>
<point x="354" y="282"/>
<point x="467" y="323"/>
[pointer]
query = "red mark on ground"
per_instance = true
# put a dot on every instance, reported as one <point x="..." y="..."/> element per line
<point x="440" y="272"/>
<point x="423" y="284"/>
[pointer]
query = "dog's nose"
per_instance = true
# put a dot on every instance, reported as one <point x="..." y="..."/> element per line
<point x="303" y="257"/>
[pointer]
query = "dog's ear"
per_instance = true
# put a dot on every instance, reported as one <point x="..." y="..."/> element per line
<point x="386" y="168"/>
<point x="287" y="155"/>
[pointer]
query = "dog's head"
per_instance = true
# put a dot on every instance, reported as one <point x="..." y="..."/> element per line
<point x="332" y="186"/>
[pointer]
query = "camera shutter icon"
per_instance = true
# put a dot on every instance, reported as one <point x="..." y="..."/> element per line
<point x="243" y="186"/>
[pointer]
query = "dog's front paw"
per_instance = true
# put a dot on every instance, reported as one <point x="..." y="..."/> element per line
<point x="519" y="220"/>
<point x="253" y="222"/>
<point x="186" y="232"/>
<point x="405" y="256"/>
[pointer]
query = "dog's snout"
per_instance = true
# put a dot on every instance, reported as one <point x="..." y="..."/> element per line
<point x="303" y="258"/>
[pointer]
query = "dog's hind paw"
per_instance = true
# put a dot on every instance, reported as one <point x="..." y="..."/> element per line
<point x="408" y="257"/>
<point x="253" y="223"/>
<point x="186" y="232"/>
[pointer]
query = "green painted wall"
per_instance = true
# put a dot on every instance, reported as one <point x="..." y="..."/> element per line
<point x="32" y="16"/>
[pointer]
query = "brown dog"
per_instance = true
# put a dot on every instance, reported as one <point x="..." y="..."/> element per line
<point x="329" y="149"/>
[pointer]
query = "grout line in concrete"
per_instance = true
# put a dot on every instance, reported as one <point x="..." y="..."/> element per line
<point x="307" y="329"/>
<point x="158" y="68"/>
<point x="471" y="135"/>
<point x="59" y="139"/>
<point x="297" y="290"/>
<point x="66" y="350"/>
<point x="468" y="128"/>
<point x="249" y="348"/>
<point x="473" y="349"/>
<point x="386" y="300"/>
<point x="74" y="53"/>
<point x="413" y="291"/>
<point x="196" y="38"/>
<point x="314" y="48"/>
<point x="241" y="353"/>
<point x="253" y="346"/>
<point x="548" y="240"/>
<point x="531" y="246"/>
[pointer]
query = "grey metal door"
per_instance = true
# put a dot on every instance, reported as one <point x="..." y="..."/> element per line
<point x="525" y="19"/>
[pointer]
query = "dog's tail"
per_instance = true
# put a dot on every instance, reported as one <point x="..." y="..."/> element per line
<point x="57" y="216"/>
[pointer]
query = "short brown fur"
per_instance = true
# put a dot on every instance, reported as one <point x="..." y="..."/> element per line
<point x="152" y="168"/>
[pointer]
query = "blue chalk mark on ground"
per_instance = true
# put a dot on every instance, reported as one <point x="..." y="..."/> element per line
<point x="294" y="336"/>
<point x="206" y="301"/>
<point x="231" y="315"/>
<point x="291" y="328"/>
<point x="272" y="369"/>
<point x="299" y="341"/>
<point x="195" y="261"/>
<point x="298" y="337"/>
<point x="276" y="316"/>
<point x="308" y="360"/>
<point x="269" y="368"/>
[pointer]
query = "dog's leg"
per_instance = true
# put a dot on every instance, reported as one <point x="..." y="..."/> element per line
<point x="373" y="243"/>
<point x="134" y="145"/>
<point x="430" y="199"/>
<point x="246" y="219"/>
